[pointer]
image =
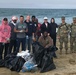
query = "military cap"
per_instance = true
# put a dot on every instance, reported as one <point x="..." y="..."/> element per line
<point x="62" y="17"/>
<point x="74" y="18"/>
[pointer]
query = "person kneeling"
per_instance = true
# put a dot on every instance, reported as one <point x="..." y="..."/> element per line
<point x="46" y="41"/>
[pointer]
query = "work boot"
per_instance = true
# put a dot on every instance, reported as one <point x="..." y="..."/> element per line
<point x="71" y="51"/>
<point x="74" y="51"/>
<point x="60" y="51"/>
<point x="66" y="52"/>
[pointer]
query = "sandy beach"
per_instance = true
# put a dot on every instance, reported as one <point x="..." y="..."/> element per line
<point x="65" y="65"/>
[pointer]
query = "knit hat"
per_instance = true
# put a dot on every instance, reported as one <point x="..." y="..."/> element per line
<point x="14" y="18"/>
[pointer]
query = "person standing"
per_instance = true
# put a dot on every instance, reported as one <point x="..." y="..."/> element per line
<point x="45" y="26"/>
<point x="63" y="35"/>
<point x="34" y="23"/>
<point x="29" y="34"/>
<point x="21" y="29"/>
<point x="73" y="36"/>
<point x="5" y="31"/>
<point x="38" y="31"/>
<point x="53" y="27"/>
<point x="12" y="44"/>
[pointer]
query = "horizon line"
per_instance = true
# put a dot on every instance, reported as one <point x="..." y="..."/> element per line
<point x="33" y="8"/>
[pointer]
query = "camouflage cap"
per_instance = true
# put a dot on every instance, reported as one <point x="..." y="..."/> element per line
<point x="62" y="17"/>
<point x="74" y="18"/>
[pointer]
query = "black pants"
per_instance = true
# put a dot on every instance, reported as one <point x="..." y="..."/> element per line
<point x="54" y="39"/>
<point x="12" y="45"/>
<point x="5" y="48"/>
<point x="54" y="42"/>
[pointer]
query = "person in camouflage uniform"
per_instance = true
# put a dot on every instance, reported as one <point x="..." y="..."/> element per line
<point x="63" y="35"/>
<point x="73" y="36"/>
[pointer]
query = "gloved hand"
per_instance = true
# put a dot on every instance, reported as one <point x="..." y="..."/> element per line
<point x="8" y="40"/>
<point x="21" y="31"/>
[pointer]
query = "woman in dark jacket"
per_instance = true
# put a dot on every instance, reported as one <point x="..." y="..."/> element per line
<point x="52" y="31"/>
<point x="53" y="27"/>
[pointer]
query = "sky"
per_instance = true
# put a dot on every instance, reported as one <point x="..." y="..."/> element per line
<point x="57" y="4"/>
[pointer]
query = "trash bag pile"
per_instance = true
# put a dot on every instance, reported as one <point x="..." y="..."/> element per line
<point x="13" y="62"/>
<point x="44" y="57"/>
<point x="41" y="58"/>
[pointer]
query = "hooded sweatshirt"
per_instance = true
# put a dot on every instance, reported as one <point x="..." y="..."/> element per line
<point x="5" y="32"/>
<point x="52" y="28"/>
<point x="13" y="34"/>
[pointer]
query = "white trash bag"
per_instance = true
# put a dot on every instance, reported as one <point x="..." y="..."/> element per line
<point x="25" y="54"/>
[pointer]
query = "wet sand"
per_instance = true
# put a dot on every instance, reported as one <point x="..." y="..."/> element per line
<point x="65" y="65"/>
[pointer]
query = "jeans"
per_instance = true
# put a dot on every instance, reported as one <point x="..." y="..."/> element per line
<point x="21" y="41"/>
<point x="29" y="42"/>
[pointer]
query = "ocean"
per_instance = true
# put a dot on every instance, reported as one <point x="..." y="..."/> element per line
<point x="39" y="13"/>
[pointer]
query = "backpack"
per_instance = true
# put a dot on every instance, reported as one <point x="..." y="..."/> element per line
<point x="62" y="25"/>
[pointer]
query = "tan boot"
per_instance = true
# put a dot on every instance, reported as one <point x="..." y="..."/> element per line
<point x="71" y="51"/>
<point x="60" y="51"/>
<point x="74" y="51"/>
<point x="66" y="52"/>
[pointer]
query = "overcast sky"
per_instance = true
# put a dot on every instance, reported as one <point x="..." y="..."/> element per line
<point x="71" y="4"/>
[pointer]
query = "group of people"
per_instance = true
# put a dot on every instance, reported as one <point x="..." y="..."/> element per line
<point x="23" y="33"/>
<point x="64" y="31"/>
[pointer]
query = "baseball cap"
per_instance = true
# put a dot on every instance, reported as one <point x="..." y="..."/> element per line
<point x="45" y="18"/>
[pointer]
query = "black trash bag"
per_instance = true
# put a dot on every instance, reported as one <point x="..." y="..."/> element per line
<point x="8" y="59"/>
<point x="36" y="46"/>
<point x="16" y="64"/>
<point x="47" y="62"/>
<point x="38" y="53"/>
<point x="44" y="57"/>
<point x="2" y="63"/>
<point x="52" y="48"/>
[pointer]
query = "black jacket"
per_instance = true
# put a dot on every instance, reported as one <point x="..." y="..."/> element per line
<point x="52" y="28"/>
<point x="30" y="28"/>
<point x="13" y="34"/>
<point x="44" y="28"/>
<point x="34" y="26"/>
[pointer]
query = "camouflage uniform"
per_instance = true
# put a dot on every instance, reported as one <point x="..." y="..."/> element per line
<point x="63" y="34"/>
<point x="73" y="36"/>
